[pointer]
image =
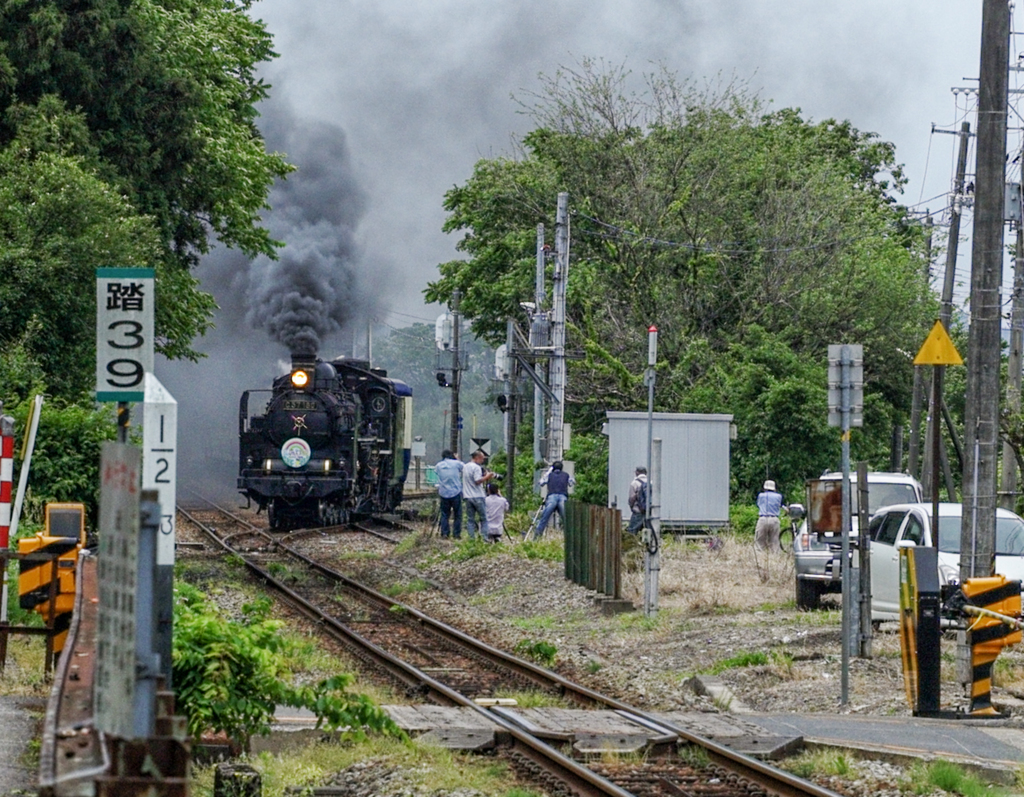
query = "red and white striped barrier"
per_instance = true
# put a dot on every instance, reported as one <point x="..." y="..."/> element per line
<point x="6" y="481"/>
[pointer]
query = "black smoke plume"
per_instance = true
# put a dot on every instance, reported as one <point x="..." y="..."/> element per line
<point x="319" y="285"/>
<point x="313" y="291"/>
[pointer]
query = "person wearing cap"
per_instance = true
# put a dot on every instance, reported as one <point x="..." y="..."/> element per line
<point x="769" y="506"/>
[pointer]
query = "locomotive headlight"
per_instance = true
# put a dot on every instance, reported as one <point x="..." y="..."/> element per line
<point x="267" y="463"/>
<point x="327" y="465"/>
<point x="248" y="462"/>
<point x="300" y="378"/>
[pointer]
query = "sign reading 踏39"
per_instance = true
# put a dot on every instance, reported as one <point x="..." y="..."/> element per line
<point x="124" y="332"/>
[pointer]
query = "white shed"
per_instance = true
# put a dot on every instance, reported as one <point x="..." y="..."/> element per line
<point x="695" y="463"/>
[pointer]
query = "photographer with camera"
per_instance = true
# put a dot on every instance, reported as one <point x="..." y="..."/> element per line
<point x="558" y="483"/>
<point x="474" y="480"/>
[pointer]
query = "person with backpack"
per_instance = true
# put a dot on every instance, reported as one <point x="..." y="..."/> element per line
<point x="638" y="500"/>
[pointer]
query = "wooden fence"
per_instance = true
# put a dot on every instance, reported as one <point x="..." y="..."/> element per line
<point x="593" y="547"/>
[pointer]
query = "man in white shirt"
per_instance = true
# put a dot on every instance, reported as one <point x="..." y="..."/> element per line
<point x="474" y="494"/>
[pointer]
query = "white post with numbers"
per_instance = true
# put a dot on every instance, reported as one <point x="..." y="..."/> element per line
<point x="159" y="473"/>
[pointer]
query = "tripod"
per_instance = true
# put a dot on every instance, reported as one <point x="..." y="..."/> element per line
<point x="556" y="518"/>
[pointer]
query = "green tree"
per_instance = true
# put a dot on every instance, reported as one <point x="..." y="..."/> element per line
<point x="168" y="90"/>
<point x="752" y="238"/>
<point x="58" y="223"/>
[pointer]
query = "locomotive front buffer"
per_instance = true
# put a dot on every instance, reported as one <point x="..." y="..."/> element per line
<point x="987" y="608"/>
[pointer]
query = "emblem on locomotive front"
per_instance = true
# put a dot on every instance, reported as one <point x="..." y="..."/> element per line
<point x="295" y="452"/>
<point x="299" y="423"/>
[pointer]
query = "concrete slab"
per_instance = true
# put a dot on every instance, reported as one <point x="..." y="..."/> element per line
<point x="19" y="718"/>
<point x="995" y="748"/>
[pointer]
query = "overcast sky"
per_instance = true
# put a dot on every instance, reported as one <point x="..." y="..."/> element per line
<point x="385" y="105"/>
<point x="422" y="89"/>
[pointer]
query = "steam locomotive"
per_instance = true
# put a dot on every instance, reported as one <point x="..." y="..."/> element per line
<point x="331" y="441"/>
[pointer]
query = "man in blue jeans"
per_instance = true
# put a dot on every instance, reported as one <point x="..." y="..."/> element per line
<point x="449" y="488"/>
<point x="474" y="486"/>
<point x="558" y="483"/>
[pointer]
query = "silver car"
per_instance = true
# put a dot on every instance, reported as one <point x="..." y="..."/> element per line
<point x="910" y="525"/>
<point x="817" y="559"/>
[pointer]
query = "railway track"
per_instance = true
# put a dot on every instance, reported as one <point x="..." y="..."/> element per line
<point x="440" y="663"/>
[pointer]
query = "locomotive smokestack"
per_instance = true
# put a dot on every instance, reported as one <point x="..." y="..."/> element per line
<point x="303" y="359"/>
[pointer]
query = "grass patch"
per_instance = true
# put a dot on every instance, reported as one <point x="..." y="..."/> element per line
<point x="540" y="651"/>
<point x="638" y="621"/>
<point x="548" y="548"/>
<point x="406" y="587"/>
<point x="538" y="700"/>
<point x="755" y="658"/>
<point x="470" y="549"/>
<point x="925" y="778"/>
<point x="407" y="543"/>
<point x="694" y="756"/>
<point x="399" y="767"/>
<point x="541" y="622"/>
<point x="820" y="763"/>
<point x="354" y="556"/>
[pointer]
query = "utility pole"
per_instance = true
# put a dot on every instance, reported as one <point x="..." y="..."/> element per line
<point x="556" y="436"/>
<point x="511" y="409"/>
<point x="946" y="315"/>
<point x="539" y="299"/>
<point x="1008" y="494"/>
<point x="914" y="447"/>
<point x="456" y="376"/>
<point x="981" y="415"/>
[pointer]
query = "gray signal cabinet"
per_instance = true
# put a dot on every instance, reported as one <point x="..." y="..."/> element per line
<point x="695" y="464"/>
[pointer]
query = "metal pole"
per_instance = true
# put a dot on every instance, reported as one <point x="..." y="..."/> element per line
<point x="539" y="298"/>
<point x="981" y="411"/>
<point x="650" y="539"/>
<point x="845" y="363"/>
<point x="928" y="473"/>
<point x="864" y="549"/>
<point x="1013" y="368"/>
<point x="652" y="535"/>
<point x="456" y="418"/>
<point x="938" y="372"/>
<point x="555" y="428"/>
<point x="147" y="660"/>
<point x="510" y="417"/>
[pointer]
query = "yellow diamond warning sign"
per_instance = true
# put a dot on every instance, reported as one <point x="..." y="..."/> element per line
<point x="938" y="349"/>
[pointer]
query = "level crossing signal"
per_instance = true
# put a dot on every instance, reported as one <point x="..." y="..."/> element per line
<point x="60" y="542"/>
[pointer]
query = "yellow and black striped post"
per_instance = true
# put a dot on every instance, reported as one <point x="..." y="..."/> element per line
<point x="988" y="634"/>
<point x="46" y="580"/>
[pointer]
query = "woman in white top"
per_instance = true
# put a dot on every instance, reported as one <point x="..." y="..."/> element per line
<point x="497" y="506"/>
